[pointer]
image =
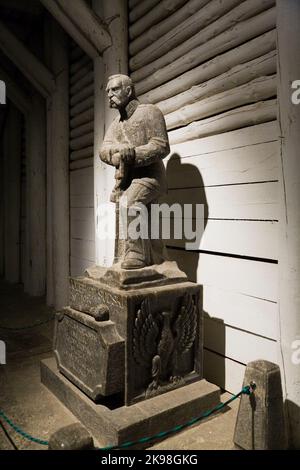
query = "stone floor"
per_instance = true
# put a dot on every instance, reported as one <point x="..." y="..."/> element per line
<point x="29" y="404"/>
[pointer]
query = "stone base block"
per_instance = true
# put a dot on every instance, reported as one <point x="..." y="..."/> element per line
<point x="129" y="423"/>
<point x="90" y="353"/>
<point x="118" y="353"/>
<point x="162" y="274"/>
<point x="260" y="422"/>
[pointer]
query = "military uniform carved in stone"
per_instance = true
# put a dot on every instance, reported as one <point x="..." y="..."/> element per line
<point x="135" y="143"/>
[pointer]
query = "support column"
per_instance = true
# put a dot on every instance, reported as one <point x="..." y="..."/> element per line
<point x="49" y="240"/>
<point x="35" y="277"/>
<point x="12" y="185"/>
<point x="288" y="20"/>
<point x="1" y="205"/>
<point x="115" y="60"/>
<point x="58" y="142"/>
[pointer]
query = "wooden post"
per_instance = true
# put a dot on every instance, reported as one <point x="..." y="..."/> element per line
<point x="36" y="198"/>
<point x="58" y="165"/>
<point x="49" y="240"/>
<point x="114" y="13"/>
<point x="1" y="202"/>
<point x="82" y="25"/>
<point x="12" y="185"/>
<point x="288" y="20"/>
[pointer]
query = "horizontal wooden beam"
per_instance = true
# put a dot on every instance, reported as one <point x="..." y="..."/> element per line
<point x="164" y="26"/>
<point x="244" y="116"/>
<point x="140" y="8"/>
<point x="190" y="54"/>
<point x="259" y="89"/>
<point x="205" y="15"/>
<point x="20" y="99"/>
<point x="164" y="9"/>
<point x="83" y="25"/>
<point x="36" y="72"/>
<point x="212" y="68"/>
<point x="236" y="76"/>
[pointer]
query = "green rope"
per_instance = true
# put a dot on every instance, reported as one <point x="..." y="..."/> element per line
<point x="21" y="432"/>
<point x="27" y="327"/>
<point x="247" y="390"/>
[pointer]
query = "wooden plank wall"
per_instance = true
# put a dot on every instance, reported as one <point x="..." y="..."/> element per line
<point x="82" y="237"/>
<point x="2" y="117"/>
<point x="23" y="206"/>
<point x="211" y="68"/>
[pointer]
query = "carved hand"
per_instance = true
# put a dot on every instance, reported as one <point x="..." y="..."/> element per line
<point x="127" y="154"/>
<point x="115" y="159"/>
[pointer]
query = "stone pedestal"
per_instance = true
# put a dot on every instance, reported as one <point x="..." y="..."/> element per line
<point x="135" y="346"/>
<point x="136" y="342"/>
<point x="114" y="426"/>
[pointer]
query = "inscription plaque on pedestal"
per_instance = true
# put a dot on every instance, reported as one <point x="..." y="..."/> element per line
<point x="90" y="353"/>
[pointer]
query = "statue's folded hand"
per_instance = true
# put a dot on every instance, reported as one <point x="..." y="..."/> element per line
<point x="127" y="154"/>
<point x="115" y="159"/>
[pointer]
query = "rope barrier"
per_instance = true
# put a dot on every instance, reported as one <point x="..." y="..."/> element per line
<point x="247" y="390"/>
<point x="21" y="432"/>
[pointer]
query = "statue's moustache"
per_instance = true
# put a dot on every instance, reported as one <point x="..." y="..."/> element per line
<point x="114" y="100"/>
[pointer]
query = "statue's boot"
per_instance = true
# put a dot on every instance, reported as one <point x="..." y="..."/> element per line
<point x="137" y="254"/>
<point x="134" y="255"/>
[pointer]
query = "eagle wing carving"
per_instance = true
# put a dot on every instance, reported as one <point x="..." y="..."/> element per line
<point x="145" y="333"/>
<point x="185" y="324"/>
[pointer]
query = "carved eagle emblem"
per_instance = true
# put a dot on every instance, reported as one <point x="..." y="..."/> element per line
<point x="159" y="340"/>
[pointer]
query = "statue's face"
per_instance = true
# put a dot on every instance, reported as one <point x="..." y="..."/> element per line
<point x="118" y="94"/>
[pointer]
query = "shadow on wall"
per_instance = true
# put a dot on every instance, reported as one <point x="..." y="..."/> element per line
<point x="186" y="186"/>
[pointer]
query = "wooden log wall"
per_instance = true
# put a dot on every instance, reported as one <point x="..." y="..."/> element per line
<point x="82" y="237"/>
<point x="210" y="65"/>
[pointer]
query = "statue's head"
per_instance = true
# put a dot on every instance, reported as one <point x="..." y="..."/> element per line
<point x="120" y="90"/>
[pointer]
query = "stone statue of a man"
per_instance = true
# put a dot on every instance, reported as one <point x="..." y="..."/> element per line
<point x="135" y="144"/>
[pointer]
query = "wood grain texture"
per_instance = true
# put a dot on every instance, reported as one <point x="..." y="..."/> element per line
<point x="236" y="344"/>
<point x="241" y="276"/>
<point x="247" y="238"/>
<point x="241" y="311"/>
<point x="257" y="201"/>
<point x="238" y="75"/>
<point x="212" y="68"/>
<point x="162" y="10"/>
<point x="164" y="26"/>
<point x="244" y="116"/>
<point x="191" y="55"/>
<point x="235" y="139"/>
<point x="260" y="88"/>
<point x="245" y="164"/>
